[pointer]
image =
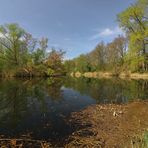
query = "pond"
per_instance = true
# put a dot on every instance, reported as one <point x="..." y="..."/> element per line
<point x="39" y="108"/>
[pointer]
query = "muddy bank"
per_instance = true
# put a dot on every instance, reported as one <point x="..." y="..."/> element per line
<point x="109" y="126"/>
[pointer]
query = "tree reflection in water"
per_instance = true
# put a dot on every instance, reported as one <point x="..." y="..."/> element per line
<point x="38" y="107"/>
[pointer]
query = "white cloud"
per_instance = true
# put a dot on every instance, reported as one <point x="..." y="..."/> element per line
<point x="106" y="33"/>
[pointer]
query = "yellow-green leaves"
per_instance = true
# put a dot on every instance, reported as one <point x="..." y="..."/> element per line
<point x="133" y="20"/>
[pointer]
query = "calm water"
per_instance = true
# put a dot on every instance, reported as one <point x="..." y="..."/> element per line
<point x="38" y="108"/>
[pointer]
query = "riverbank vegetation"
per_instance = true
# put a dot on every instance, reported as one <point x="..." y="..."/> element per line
<point x="22" y="55"/>
<point x="126" y="53"/>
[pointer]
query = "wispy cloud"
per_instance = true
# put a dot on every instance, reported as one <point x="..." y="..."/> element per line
<point x="67" y="39"/>
<point x="107" y="32"/>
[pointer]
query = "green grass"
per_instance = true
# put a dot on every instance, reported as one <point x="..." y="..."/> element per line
<point x="140" y="141"/>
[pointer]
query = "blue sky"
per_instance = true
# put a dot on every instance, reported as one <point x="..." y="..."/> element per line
<point x="73" y="25"/>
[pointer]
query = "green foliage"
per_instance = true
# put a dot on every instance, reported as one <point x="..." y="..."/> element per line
<point x="140" y="141"/>
<point x="19" y="55"/>
<point x="50" y="72"/>
<point x="97" y="57"/>
<point x="11" y="44"/>
<point x="146" y="138"/>
<point x="38" y="56"/>
<point x="54" y="60"/>
<point x="103" y="57"/>
<point x="135" y="22"/>
<point x="129" y="54"/>
<point x="82" y="64"/>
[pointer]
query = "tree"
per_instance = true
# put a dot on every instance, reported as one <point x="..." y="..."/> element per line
<point x="115" y="52"/>
<point x="39" y="54"/>
<point x="97" y="57"/>
<point x="54" y="60"/>
<point x="69" y="65"/>
<point x="14" y="42"/>
<point x="103" y="57"/>
<point x="11" y="43"/>
<point x="82" y="64"/>
<point x="134" y="21"/>
<point x="20" y="57"/>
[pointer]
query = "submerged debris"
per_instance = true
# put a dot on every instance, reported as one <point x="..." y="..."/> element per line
<point x="23" y="143"/>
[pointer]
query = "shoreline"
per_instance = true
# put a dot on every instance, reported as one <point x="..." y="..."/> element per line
<point x="110" y="125"/>
<point x="109" y="75"/>
<point x="100" y="125"/>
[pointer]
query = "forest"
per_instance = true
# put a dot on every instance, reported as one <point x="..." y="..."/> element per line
<point x="126" y="53"/>
<point x="23" y="55"/>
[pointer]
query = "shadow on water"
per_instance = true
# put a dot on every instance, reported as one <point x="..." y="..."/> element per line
<point x="38" y="108"/>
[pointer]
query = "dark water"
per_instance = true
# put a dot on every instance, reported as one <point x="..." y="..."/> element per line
<point x="39" y="108"/>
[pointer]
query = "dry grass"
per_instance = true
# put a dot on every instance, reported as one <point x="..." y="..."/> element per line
<point x="110" y="75"/>
<point x="139" y="76"/>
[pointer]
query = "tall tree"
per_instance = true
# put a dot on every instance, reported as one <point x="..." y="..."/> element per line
<point x="115" y="53"/>
<point x="54" y="61"/>
<point x="97" y="57"/>
<point x="14" y="42"/>
<point x="134" y="21"/>
<point x="39" y="54"/>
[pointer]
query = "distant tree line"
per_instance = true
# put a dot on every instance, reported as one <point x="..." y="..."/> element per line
<point x="124" y="53"/>
<point x="23" y="55"/>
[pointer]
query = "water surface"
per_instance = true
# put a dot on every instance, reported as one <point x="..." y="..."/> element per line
<point x="39" y="108"/>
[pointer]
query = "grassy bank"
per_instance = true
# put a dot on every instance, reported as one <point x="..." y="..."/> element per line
<point x="111" y="126"/>
<point x="110" y="75"/>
